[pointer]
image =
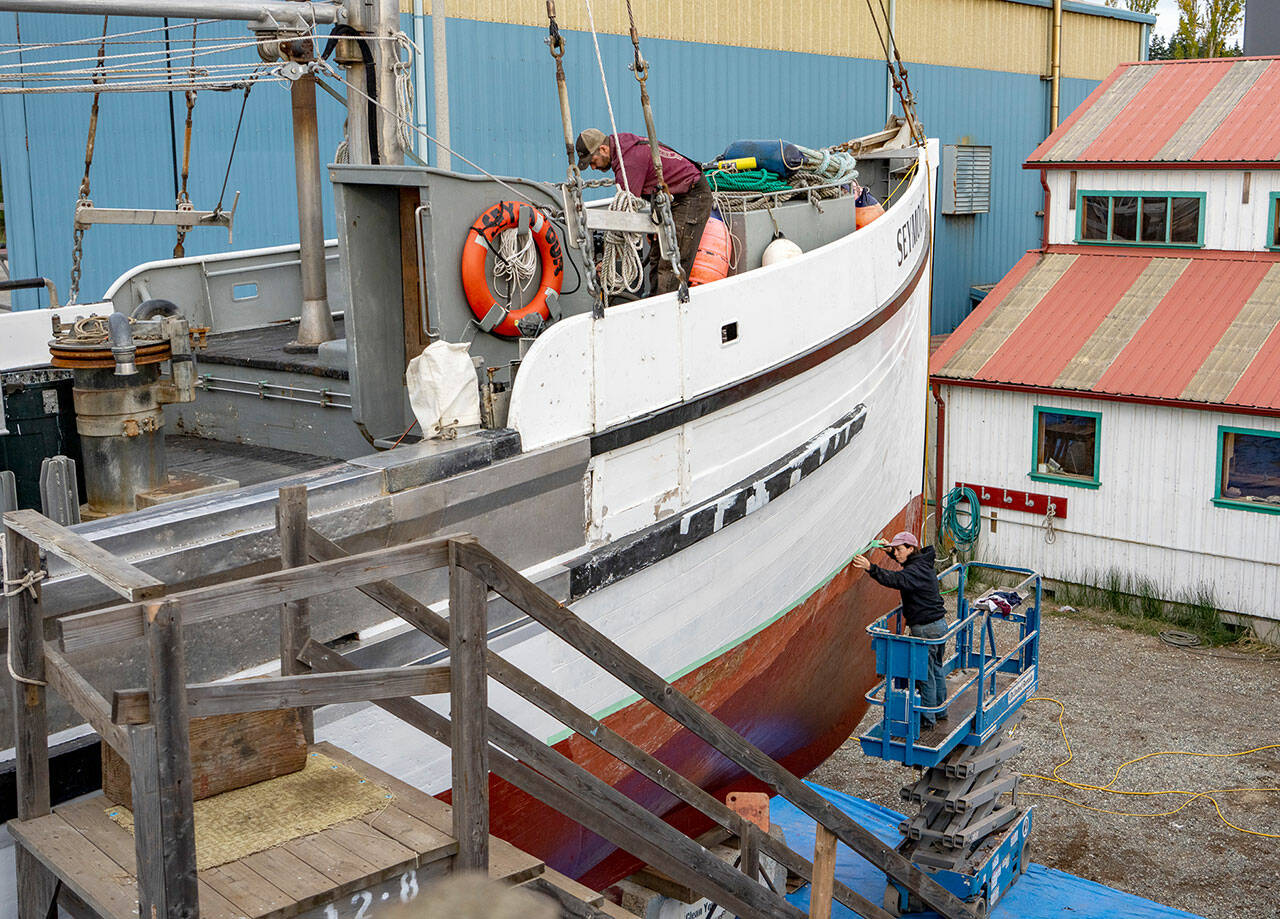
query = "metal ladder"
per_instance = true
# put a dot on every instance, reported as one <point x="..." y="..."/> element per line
<point x="968" y="830"/>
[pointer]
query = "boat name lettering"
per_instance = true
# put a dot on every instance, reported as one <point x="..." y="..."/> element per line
<point x="912" y="231"/>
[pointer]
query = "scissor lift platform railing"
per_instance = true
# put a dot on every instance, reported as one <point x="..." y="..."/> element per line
<point x="965" y="832"/>
<point x="994" y="686"/>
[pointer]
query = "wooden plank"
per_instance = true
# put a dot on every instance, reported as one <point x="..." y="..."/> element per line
<point x="468" y="703"/>
<point x="429" y="843"/>
<point x="148" y="834"/>
<point x="26" y="660"/>
<point x="84" y="869"/>
<point x="86" y="700"/>
<point x="824" y="872"/>
<point x="215" y="601"/>
<point x="562" y="622"/>
<point x="374" y="845"/>
<point x="423" y="618"/>
<point x="227" y="752"/>
<point x="37" y="886"/>
<point x="573" y="888"/>
<point x="131" y="706"/>
<point x="251" y="893"/>
<point x="301" y="883"/>
<point x="564" y="785"/>
<point x="127" y="580"/>
<point x="571" y="906"/>
<point x="90" y="818"/>
<point x="506" y="862"/>
<point x="167" y="679"/>
<point x="332" y="859"/>
<point x="295" y="616"/>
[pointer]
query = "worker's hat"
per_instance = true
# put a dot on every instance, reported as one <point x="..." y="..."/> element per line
<point x="589" y="142"/>
<point x="905" y="539"/>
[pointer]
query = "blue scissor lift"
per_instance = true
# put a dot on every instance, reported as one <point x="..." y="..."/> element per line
<point x="969" y="832"/>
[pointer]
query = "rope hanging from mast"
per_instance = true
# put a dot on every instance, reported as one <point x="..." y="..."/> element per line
<point x="662" y="197"/>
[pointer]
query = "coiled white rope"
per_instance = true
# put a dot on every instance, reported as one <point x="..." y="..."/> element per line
<point x="516" y="261"/>
<point x="622" y="269"/>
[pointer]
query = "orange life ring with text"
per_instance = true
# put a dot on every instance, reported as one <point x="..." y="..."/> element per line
<point x="508" y="215"/>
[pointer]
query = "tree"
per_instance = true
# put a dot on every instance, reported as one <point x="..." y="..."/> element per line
<point x="1136" y="6"/>
<point x="1204" y="27"/>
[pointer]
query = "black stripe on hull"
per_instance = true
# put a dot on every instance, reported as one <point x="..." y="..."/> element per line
<point x="624" y="557"/>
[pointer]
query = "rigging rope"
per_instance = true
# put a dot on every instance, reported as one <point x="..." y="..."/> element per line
<point x="622" y="270"/>
<point x="617" y="147"/>
<point x="183" y="201"/>
<point x="326" y="67"/>
<point x="404" y="49"/>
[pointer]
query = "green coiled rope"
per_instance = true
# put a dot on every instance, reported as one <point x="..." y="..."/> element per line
<point x="963" y="534"/>
<point x="747" y="180"/>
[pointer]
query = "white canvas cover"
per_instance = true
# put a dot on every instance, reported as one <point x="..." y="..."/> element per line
<point x="442" y="387"/>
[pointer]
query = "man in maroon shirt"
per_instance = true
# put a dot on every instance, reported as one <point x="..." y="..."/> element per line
<point x="629" y="155"/>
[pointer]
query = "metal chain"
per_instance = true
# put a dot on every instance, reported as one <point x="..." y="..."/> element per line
<point x="77" y="235"/>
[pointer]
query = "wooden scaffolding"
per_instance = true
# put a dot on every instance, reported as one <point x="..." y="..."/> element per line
<point x="75" y="854"/>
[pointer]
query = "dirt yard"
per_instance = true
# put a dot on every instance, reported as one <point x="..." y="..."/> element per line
<point x="1126" y="695"/>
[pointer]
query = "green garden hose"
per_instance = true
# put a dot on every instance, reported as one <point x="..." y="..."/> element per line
<point x="963" y="535"/>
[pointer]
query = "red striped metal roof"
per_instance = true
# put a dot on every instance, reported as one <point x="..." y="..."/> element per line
<point x="1221" y="110"/>
<point x="1145" y="324"/>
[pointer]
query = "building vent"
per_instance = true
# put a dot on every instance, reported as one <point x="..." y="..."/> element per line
<point x="965" y="182"/>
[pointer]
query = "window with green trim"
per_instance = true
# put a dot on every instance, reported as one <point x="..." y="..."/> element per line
<point x="1066" y="446"/>
<point x="1248" y="469"/>
<point x="1141" y="218"/>
<point x="1273" y="222"/>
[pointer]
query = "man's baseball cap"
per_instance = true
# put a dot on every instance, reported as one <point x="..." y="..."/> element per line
<point x="589" y="142"/>
<point x="905" y="539"/>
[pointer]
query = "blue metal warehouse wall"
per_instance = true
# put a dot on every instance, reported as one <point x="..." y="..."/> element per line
<point x="506" y="118"/>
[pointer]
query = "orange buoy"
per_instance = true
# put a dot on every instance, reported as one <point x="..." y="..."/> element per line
<point x="868" y="209"/>
<point x="712" y="261"/>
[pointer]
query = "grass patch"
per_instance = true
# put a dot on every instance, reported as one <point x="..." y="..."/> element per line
<point x="1137" y="603"/>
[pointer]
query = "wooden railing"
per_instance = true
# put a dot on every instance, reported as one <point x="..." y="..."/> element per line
<point x="148" y="726"/>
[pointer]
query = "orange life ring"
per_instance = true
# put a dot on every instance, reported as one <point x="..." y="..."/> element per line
<point x="507" y="215"/>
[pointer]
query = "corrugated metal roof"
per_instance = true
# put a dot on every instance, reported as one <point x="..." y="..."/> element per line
<point x="1220" y="110"/>
<point x="1142" y="323"/>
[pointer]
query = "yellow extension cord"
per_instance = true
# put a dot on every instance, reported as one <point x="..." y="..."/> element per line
<point x="1191" y="795"/>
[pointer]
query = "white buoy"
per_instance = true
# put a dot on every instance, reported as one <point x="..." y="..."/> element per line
<point x="780" y="250"/>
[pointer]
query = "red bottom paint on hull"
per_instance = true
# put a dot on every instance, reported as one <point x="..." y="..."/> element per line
<point x="795" y="689"/>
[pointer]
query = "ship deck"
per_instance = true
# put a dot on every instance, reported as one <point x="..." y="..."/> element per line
<point x="244" y="463"/>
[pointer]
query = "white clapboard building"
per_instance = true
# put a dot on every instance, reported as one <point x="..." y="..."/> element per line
<point x="1127" y="373"/>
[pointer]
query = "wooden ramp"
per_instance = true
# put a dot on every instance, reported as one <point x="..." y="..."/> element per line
<point x="391" y="854"/>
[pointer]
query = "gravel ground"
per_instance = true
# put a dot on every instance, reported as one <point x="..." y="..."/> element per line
<point x="1128" y="694"/>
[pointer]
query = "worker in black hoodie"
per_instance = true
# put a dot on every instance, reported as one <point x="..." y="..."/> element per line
<point x="922" y="609"/>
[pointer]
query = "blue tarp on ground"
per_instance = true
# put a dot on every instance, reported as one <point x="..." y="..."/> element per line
<point x="1041" y="893"/>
